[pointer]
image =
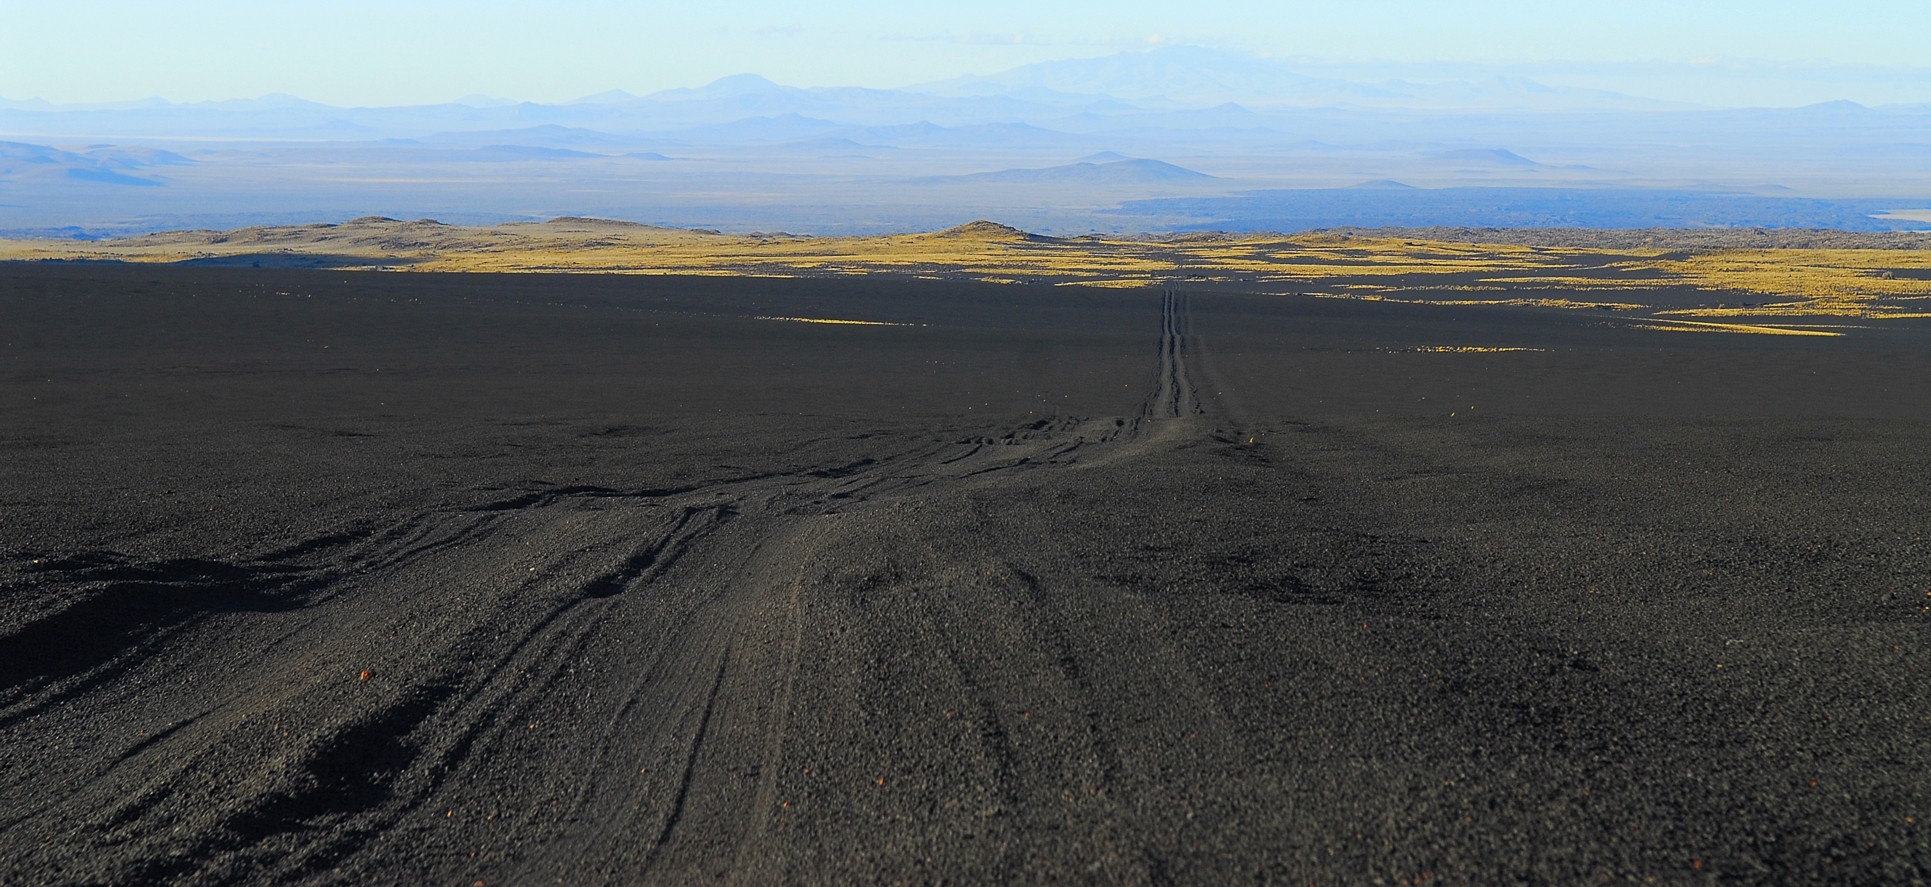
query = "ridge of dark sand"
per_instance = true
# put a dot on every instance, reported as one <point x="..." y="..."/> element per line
<point x="1041" y="585"/>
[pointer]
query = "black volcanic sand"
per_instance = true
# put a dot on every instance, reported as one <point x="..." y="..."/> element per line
<point x="401" y="578"/>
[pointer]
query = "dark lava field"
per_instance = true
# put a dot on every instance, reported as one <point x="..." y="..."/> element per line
<point x="338" y="577"/>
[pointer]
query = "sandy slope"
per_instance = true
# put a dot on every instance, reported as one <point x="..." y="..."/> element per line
<point x="403" y="578"/>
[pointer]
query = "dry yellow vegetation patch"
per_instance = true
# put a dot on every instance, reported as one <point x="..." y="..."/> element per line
<point x="832" y="321"/>
<point x="1835" y="282"/>
<point x="1696" y="326"/>
<point x="1743" y="284"/>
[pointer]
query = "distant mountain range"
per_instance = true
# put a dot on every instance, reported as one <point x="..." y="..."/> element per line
<point x="1158" y="88"/>
<point x="1117" y="86"/>
<point x="1060" y="147"/>
<point x="1194" y="77"/>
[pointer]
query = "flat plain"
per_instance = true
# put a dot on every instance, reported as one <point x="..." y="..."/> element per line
<point x="319" y="575"/>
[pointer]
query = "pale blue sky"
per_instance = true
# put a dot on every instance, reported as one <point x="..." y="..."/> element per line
<point x="408" y="51"/>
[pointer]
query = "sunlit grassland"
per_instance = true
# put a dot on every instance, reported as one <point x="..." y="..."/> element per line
<point x="1810" y="282"/>
<point x="1703" y="326"/>
<point x="831" y="321"/>
<point x="1728" y="286"/>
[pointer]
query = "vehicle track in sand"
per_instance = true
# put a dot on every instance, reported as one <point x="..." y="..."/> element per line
<point x="1314" y="604"/>
<point x="628" y="653"/>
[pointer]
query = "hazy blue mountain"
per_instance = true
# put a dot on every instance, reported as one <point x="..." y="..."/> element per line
<point x="124" y="157"/>
<point x="779" y="128"/>
<point x="607" y="97"/>
<point x="1224" y="116"/>
<point x="1114" y="172"/>
<point x="1499" y="157"/>
<point x="743" y="96"/>
<point x="733" y="86"/>
<point x="1191" y="76"/>
<point x="1288" y="145"/>
<point x="101" y="164"/>
<point x="270" y="103"/>
<point x="833" y="146"/>
<point x="1184" y="75"/>
<point x="1120" y="92"/>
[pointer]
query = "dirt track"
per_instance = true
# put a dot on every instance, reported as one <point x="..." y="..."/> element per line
<point x="445" y="578"/>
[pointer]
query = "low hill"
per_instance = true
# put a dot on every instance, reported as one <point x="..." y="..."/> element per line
<point x="989" y="231"/>
<point x="1497" y="157"/>
<point x="97" y="164"/>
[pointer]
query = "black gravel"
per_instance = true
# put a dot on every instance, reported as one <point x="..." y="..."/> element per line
<point x="413" y="578"/>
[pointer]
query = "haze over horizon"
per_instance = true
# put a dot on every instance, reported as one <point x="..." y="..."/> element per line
<point x="864" y="118"/>
<point x="360" y="53"/>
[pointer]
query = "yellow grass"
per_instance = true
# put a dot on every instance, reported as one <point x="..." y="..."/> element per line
<point x="833" y="321"/>
<point x="1542" y="303"/>
<point x="1810" y="281"/>
<point x="1742" y="284"/>
<point x="1692" y="326"/>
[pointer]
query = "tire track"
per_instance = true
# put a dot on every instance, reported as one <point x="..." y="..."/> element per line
<point x="501" y="656"/>
<point x="1174" y="395"/>
<point x="682" y="797"/>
